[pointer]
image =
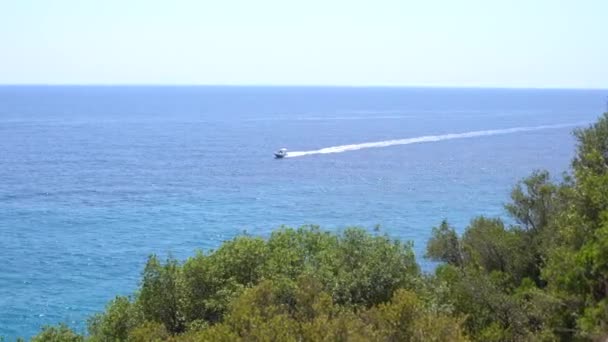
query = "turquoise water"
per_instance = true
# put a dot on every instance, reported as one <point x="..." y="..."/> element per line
<point x="94" y="179"/>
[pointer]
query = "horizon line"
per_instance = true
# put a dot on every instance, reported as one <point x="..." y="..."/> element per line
<point x="254" y="85"/>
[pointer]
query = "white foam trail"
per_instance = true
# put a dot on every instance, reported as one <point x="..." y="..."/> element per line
<point x="425" y="139"/>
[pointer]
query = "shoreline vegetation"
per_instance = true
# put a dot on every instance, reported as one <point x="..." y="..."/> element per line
<point x="544" y="278"/>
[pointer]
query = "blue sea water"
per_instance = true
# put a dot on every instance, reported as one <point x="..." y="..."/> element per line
<point x="94" y="179"/>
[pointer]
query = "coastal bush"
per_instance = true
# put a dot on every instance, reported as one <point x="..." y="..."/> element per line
<point x="60" y="333"/>
<point x="115" y="323"/>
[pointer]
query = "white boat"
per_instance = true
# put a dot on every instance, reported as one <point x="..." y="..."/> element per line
<point x="282" y="153"/>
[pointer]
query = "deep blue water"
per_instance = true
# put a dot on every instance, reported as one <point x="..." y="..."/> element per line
<point x="94" y="179"/>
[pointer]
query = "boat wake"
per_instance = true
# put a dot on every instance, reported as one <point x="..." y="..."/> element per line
<point x="425" y="139"/>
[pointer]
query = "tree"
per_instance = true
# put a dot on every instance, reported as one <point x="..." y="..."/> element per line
<point x="405" y="318"/>
<point x="115" y="323"/>
<point x="532" y="201"/>
<point x="487" y="244"/>
<point x="161" y="293"/>
<point x="147" y="332"/>
<point x="207" y="289"/>
<point x="444" y="245"/>
<point x="577" y="267"/>
<point x="60" y="333"/>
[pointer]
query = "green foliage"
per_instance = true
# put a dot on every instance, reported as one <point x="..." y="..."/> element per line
<point x="365" y="270"/>
<point x="241" y="259"/>
<point x="208" y="289"/>
<point x="60" y="333"/>
<point x="405" y="318"/>
<point x="160" y="294"/>
<point x="494" y="311"/>
<point x="299" y="284"/>
<point x="533" y="200"/>
<point x="147" y="332"/>
<point x="291" y="252"/>
<point x="536" y="204"/>
<point x="444" y="245"/>
<point x="264" y="313"/>
<point x="115" y="323"/>
<point x="577" y="266"/>
<point x="487" y="244"/>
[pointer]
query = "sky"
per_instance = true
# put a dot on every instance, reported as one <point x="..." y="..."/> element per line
<point x="463" y="43"/>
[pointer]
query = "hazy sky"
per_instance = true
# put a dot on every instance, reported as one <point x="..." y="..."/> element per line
<point x="517" y="43"/>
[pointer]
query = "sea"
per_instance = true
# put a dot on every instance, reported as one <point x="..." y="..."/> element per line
<point x="94" y="179"/>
